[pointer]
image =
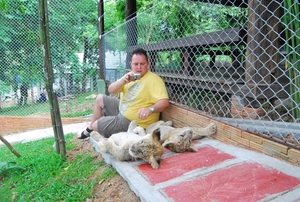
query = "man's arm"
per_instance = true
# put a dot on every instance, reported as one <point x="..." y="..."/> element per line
<point x="114" y="88"/>
<point x="161" y="105"/>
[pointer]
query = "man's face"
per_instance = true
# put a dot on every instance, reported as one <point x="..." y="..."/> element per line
<point x="139" y="64"/>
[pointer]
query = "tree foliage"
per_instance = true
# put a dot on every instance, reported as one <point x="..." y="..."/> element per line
<point x="17" y="58"/>
<point x="73" y="29"/>
<point x="169" y="19"/>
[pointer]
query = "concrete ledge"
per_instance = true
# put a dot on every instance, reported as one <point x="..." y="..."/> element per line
<point x="232" y="135"/>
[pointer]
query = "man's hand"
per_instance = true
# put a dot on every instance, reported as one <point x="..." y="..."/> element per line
<point x="144" y="113"/>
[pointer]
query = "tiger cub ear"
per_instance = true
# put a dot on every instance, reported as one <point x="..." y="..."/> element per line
<point x="156" y="134"/>
<point x="192" y="148"/>
<point x="168" y="144"/>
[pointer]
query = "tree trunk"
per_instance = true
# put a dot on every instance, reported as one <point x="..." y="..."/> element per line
<point x="9" y="146"/>
<point x="55" y="113"/>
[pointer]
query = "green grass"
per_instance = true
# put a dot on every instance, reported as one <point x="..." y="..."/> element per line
<point x="77" y="114"/>
<point x="48" y="176"/>
<point x="25" y="110"/>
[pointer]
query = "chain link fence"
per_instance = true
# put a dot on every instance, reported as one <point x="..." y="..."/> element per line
<point x="238" y="63"/>
<point x="74" y="50"/>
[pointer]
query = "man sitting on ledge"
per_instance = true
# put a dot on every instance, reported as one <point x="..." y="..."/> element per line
<point x="144" y="96"/>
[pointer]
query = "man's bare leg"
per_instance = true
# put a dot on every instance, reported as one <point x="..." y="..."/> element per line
<point x="97" y="114"/>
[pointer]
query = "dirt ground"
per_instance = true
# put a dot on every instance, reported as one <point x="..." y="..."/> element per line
<point x="113" y="190"/>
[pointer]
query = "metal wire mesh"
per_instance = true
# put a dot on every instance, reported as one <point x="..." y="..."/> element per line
<point x="237" y="63"/>
<point x="74" y="52"/>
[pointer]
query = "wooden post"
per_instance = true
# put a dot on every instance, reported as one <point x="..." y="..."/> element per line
<point x="101" y="41"/>
<point x="131" y="27"/>
<point x="9" y="146"/>
<point x="263" y="41"/>
<point x="188" y="61"/>
<point x="49" y="78"/>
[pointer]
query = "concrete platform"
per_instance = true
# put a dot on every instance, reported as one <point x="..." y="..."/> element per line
<point x="217" y="172"/>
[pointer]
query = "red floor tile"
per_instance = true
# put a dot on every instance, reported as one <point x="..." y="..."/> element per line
<point x="245" y="182"/>
<point x="179" y="164"/>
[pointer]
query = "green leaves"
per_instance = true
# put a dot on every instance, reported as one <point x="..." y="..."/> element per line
<point x="3" y="5"/>
<point x="292" y="35"/>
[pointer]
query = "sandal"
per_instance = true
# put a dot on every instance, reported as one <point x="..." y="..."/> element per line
<point x="83" y="136"/>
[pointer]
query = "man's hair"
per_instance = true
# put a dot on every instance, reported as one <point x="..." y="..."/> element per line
<point x="140" y="51"/>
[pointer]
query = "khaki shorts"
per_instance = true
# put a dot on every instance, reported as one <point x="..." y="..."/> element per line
<point x="112" y="121"/>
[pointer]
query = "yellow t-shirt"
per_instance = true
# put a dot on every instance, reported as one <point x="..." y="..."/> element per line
<point x="142" y="93"/>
